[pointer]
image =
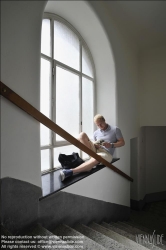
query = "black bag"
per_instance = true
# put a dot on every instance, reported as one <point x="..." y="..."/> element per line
<point x="70" y="161"/>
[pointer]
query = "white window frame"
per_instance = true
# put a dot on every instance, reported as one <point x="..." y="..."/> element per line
<point x="54" y="64"/>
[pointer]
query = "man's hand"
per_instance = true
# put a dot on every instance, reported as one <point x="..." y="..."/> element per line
<point x="106" y="144"/>
<point x="97" y="146"/>
<point x="117" y="144"/>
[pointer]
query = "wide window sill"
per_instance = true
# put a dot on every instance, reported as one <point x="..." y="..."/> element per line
<point x="51" y="182"/>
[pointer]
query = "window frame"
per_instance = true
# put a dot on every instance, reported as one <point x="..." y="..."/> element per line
<point x="55" y="63"/>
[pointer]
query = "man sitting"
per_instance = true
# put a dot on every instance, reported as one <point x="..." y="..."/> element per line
<point x="106" y="139"/>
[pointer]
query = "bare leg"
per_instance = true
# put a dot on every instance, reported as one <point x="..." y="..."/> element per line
<point x="84" y="139"/>
<point x="86" y="166"/>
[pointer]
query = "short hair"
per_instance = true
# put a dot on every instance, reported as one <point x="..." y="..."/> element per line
<point x="99" y="117"/>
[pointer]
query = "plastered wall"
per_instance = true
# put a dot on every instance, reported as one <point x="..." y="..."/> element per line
<point x="152" y="86"/>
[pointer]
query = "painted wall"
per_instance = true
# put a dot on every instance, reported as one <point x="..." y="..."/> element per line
<point x="150" y="159"/>
<point x="148" y="163"/>
<point x="152" y="83"/>
<point x="20" y="70"/>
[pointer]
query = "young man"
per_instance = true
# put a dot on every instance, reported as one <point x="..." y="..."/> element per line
<point x="106" y="139"/>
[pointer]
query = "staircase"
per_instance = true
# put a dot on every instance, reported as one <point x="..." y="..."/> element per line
<point x="132" y="234"/>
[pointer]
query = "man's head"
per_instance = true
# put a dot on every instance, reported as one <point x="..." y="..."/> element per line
<point x="100" y="122"/>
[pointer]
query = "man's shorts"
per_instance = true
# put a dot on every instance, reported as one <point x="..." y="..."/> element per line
<point x="102" y="152"/>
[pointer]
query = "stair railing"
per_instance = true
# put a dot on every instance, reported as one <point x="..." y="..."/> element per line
<point x="29" y="109"/>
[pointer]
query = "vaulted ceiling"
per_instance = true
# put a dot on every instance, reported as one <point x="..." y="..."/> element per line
<point x="144" y="22"/>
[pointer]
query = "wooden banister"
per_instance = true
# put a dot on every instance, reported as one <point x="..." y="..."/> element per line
<point x="29" y="109"/>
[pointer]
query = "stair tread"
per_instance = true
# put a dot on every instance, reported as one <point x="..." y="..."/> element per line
<point x="102" y="239"/>
<point x="148" y="214"/>
<point x="143" y="227"/>
<point x="149" y="220"/>
<point x="42" y="234"/>
<point x="64" y="230"/>
<point x="4" y="231"/>
<point x="110" y="231"/>
<point x="134" y="230"/>
<point x="122" y="231"/>
<point x="158" y="207"/>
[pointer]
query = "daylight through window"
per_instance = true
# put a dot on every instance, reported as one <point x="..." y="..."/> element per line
<point x="67" y="83"/>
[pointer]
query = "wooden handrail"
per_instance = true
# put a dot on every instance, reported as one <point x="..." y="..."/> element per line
<point x="29" y="109"/>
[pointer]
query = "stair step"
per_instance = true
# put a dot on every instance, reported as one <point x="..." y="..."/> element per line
<point x="135" y="231"/>
<point x="134" y="228"/>
<point x="149" y="220"/>
<point x="110" y="231"/>
<point x="139" y="226"/>
<point x="42" y="234"/>
<point x="148" y="213"/>
<point x="4" y="231"/>
<point x="143" y="228"/>
<point x="156" y="208"/>
<point x="100" y="238"/>
<point x="64" y="230"/>
<point x="127" y="233"/>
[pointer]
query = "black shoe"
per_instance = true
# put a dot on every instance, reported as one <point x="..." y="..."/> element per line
<point x="65" y="173"/>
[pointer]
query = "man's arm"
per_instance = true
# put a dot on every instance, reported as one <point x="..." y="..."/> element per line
<point x="120" y="142"/>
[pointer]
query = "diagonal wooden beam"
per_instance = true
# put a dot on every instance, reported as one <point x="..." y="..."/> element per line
<point x="29" y="109"/>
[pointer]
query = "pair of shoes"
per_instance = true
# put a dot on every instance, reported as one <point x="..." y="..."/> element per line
<point x="65" y="173"/>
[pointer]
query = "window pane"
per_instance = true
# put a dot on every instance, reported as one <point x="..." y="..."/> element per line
<point x="46" y="37"/>
<point x="45" y="135"/>
<point x="67" y="102"/>
<point x="87" y="110"/>
<point x="86" y="63"/>
<point x="45" y="159"/>
<point x="66" y="45"/>
<point x="45" y="95"/>
<point x="68" y="150"/>
<point x="87" y="107"/>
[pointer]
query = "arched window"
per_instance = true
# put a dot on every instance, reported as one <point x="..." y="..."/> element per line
<point x="67" y="88"/>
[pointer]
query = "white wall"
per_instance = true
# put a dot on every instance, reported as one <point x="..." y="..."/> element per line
<point x="20" y="70"/>
<point x="152" y="84"/>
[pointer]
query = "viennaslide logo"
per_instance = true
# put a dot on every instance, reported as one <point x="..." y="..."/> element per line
<point x="153" y="239"/>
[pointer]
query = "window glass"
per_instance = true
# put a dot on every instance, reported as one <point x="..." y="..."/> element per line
<point x="45" y="93"/>
<point x="45" y="159"/>
<point x="87" y="68"/>
<point x="63" y="98"/>
<point x="66" y="45"/>
<point x="45" y="99"/>
<point x="46" y="38"/>
<point x="45" y="135"/>
<point x="87" y="107"/>
<point x="67" y="102"/>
